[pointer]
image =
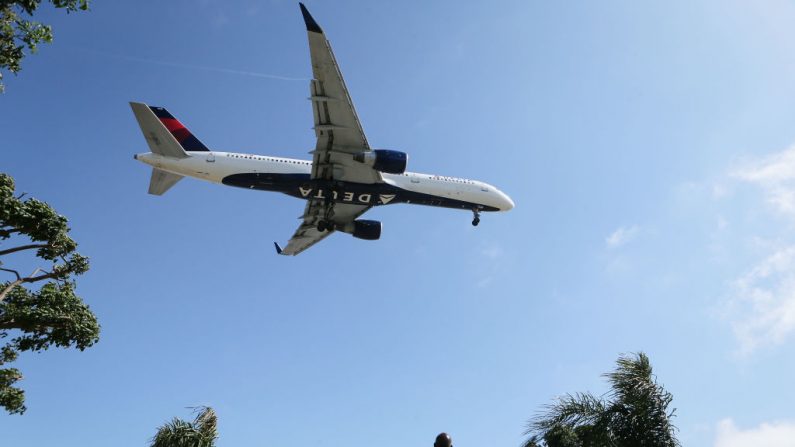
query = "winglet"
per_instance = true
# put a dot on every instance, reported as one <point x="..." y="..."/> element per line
<point x="311" y="25"/>
<point x="278" y="249"/>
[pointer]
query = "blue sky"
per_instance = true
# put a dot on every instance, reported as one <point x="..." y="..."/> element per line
<point x="648" y="147"/>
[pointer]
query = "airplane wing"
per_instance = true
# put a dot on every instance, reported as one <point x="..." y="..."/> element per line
<point x="337" y="127"/>
<point x="307" y="233"/>
<point x="339" y="136"/>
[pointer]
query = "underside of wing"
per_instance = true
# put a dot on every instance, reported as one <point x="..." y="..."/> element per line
<point x="337" y="128"/>
<point x="308" y="234"/>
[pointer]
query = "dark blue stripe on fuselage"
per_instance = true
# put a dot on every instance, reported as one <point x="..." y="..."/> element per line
<point x="303" y="187"/>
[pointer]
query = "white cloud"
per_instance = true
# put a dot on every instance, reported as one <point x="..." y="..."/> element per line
<point x="762" y="305"/>
<point x="493" y="251"/>
<point x="220" y="20"/>
<point x="622" y="236"/>
<point x="489" y="263"/>
<point x="718" y="235"/>
<point x="761" y="302"/>
<point x="776" y="167"/>
<point x="776" y="175"/>
<point x="485" y="281"/>
<point x="719" y="191"/>
<point x="776" y="434"/>
<point x="721" y="223"/>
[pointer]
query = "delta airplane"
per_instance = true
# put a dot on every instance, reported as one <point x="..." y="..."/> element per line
<point x="344" y="179"/>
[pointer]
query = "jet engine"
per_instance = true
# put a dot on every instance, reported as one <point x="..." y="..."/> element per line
<point x="383" y="160"/>
<point x="367" y="229"/>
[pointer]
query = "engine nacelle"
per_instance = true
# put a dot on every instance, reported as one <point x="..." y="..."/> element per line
<point x="383" y="160"/>
<point x="367" y="229"/>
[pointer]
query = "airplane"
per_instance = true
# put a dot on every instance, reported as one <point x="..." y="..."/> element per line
<point x="344" y="179"/>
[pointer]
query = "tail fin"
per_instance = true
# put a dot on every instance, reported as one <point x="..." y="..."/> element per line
<point x="162" y="181"/>
<point x="164" y="133"/>
<point x="181" y="133"/>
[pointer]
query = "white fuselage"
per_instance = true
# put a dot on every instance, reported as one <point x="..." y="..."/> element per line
<point x="217" y="166"/>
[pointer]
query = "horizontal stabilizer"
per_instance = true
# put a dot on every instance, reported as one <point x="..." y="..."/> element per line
<point x="162" y="181"/>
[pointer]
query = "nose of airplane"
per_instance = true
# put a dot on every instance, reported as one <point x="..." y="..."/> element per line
<point x="507" y="203"/>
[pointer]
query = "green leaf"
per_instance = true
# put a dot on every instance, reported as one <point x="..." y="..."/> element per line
<point x="18" y="32"/>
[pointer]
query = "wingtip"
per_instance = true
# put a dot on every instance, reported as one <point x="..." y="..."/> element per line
<point x="278" y="249"/>
<point x="311" y="25"/>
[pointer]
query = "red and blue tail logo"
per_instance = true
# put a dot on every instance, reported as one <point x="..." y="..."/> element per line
<point x="179" y="131"/>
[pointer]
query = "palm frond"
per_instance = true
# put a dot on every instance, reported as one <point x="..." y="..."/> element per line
<point x="207" y="423"/>
<point x="571" y="410"/>
<point x="641" y="403"/>
<point x="633" y="413"/>
<point x="202" y="432"/>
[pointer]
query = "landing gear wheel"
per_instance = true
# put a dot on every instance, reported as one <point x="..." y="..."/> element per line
<point x="325" y="225"/>
<point x="476" y="219"/>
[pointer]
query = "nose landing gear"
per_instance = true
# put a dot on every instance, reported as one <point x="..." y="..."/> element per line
<point x="476" y="219"/>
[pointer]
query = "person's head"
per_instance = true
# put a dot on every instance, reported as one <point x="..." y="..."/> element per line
<point x="443" y="440"/>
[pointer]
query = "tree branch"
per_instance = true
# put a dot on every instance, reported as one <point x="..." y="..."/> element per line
<point x="48" y="275"/>
<point x="19" y="281"/>
<point x="30" y="327"/>
<point x="23" y="247"/>
<point x="12" y="271"/>
<point x="8" y="325"/>
<point x="8" y="288"/>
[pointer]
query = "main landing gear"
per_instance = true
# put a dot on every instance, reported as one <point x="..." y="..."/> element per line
<point x="327" y="224"/>
<point x="476" y="219"/>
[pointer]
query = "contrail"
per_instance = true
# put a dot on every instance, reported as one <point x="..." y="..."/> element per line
<point x="191" y="66"/>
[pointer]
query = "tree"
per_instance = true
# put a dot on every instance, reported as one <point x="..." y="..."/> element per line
<point x="47" y="233"/>
<point x="202" y="432"/>
<point x="53" y="315"/>
<point x="17" y="31"/>
<point x="633" y="413"/>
